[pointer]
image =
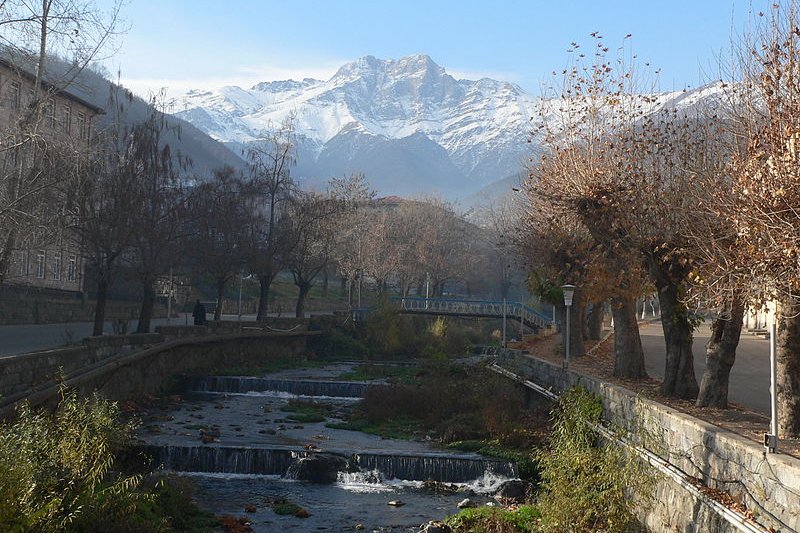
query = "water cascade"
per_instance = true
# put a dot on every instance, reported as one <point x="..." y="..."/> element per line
<point x="240" y="384"/>
<point x="278" y="461"/>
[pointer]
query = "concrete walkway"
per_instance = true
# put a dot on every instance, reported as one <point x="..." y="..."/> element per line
<point x="749" y="380"/>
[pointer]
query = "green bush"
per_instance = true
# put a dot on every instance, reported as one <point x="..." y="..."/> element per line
<point x="587" y="485"/>
<point x="56" y="469"/>
<point x="338" y="343"/>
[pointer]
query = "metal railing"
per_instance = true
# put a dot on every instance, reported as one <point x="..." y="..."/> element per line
<point x="483" y="308"/>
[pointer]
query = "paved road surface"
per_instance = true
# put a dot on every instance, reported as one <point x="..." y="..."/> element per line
<point x="749" y="381"/>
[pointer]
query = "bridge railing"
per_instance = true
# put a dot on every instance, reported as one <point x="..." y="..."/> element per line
<point x="475" y="307"/>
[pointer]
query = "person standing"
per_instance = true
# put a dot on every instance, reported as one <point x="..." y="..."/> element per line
<point x="199" y="314"/>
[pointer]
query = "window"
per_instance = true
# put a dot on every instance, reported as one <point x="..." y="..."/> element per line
<point x="57" y="256"/>
<point x="66" y="119"/>
<point x="14" y="91"/>
<point x="40" y="258"/>
<point x="72" y="268"/>
<point x="80" y="123"/>
<point x="23" y="263"/>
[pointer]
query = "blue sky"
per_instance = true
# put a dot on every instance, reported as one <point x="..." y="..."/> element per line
<point x="183" y="44"/>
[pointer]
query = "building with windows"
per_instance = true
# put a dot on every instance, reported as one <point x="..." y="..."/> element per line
<point x="51" y="258"/>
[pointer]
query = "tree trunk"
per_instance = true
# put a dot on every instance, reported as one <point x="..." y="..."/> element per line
<point x="299" y="310"/>
<point x="576" y="317"/>
<point x="148" y="302"/>
<point x="100" y="305"/>
<point x="220" y="297"/>
<point x="788" y="368"/>
<point x="720" y="355"/>
<point x="5" y="259"/>
<point x="628" y="356"/>
<point x="265" y="281"/>
<point x="595" y="322"/>
<point x="679" y="379"/>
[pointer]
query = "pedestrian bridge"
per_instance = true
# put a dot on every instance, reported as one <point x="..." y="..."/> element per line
<point x="517" y="311"/>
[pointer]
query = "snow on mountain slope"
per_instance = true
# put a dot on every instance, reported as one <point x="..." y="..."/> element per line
<point x="408" y="123"/>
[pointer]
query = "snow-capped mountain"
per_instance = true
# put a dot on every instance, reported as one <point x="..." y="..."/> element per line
<point x="407" y="124"/>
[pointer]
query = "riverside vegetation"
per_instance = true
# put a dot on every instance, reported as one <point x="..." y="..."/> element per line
<point x="69" y="471"/>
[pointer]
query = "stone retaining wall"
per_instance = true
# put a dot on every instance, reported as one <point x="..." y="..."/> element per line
<point x="768" y="484"/>
<point x="126" y="366"/>
<point x="23" y="371"/>
<point x="152" y="371"/>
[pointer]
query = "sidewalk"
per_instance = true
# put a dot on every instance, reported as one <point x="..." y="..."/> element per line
<point x="739" y="418"/>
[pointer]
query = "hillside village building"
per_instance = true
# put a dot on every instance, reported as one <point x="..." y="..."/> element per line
<point x="51" y="260"/>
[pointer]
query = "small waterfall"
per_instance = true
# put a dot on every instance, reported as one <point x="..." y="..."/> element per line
<point x="239" y="384"/>
<point x="372" y="466"/>
<point x="439" y="467"/>
<point x="229" y="460"/>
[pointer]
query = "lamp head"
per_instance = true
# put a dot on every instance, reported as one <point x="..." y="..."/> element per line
<point x="569" y="291"/>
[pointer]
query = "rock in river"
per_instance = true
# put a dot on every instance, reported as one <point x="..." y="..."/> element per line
<point x="318" y="468"/>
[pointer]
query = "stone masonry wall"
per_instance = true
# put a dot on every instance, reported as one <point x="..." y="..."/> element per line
<point x="21" y="372"/>
<point x="155" y="370"/>
<point x="127" y="366"/>
<point x="768" y="484"/>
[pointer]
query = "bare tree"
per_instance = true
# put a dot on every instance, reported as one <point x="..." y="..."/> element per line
<point x="758" y="254"/>
<point x="160" y="227"/>
<point x="108" y="200"/>
<point x="270" y="164"/>
<point x="582" y="175"/>
<point x="310" y="235"/>
<point x="218" y="236"/>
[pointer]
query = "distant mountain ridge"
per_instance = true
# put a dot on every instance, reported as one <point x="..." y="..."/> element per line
<point x="407" y="123"/>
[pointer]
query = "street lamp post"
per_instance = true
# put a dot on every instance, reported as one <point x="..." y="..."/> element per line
<point x="241" y="282"/>
<point x="569" y="291"/>
<point x="771" y="438"/>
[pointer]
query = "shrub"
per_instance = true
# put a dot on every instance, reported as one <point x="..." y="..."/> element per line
<point x="586" y="486"/>
<point x="57" y="469"/>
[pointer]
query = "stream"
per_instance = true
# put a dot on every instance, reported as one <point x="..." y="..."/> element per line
<point x="232" y="437"/>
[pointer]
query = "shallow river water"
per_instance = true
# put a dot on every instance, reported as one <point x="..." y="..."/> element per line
<point x="249" y="443"/>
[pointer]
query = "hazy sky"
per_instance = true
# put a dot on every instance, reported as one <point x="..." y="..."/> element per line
<point x="182" y="44"/>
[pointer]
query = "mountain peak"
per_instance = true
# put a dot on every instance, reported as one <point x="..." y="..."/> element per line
<point x="370" y="65"/>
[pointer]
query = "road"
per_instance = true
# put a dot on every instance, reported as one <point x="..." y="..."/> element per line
<point x="749" y="380"/>
<point x="21" y="338"/>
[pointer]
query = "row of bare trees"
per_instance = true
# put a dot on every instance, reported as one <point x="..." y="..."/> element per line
<point x="415" y="246"/>
<point x="697" y="202"/>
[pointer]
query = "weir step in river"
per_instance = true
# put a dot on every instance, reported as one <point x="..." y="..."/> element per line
<point x="242" y="384"/>
<point x="278" y="461"/>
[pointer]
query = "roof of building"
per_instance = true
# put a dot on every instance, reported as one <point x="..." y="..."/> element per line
<point x="65" y="92"/>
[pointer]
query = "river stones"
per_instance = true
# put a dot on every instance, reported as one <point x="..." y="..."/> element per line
<point x="318" y="468"/>
<point x="466" y="503"/>
<point x="435" y="527"/>
<point x="514" y="490"/>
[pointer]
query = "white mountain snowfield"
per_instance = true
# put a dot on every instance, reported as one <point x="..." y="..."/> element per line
<point x="406" y="123"/>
